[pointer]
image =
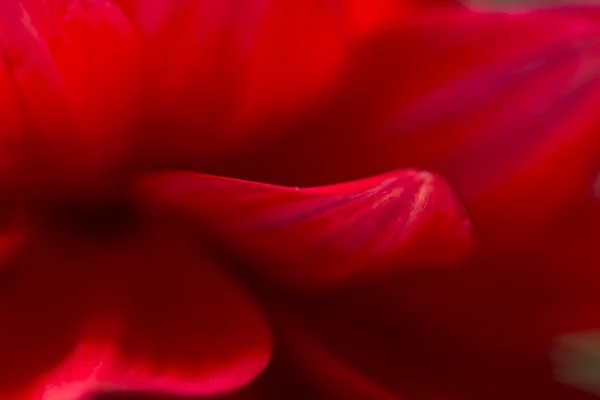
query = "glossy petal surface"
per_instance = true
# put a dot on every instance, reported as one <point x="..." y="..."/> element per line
<point x="321" y="236"/>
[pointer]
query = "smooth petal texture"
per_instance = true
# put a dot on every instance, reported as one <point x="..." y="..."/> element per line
<point x="488" y="330"/>
<point x="321" y="236"/>
<point x="462" y="334"/>
<point x="307" y="62"/>
<point x="68" y="101"/>
<point x="365" y="18"/>
<point x="39" y="317"/>
<point x="274" y="383"/>
<point x="211" y="71"/>
<point x="208" y="334"/>
<point x="381" y="369"/>
<point x="330" y="377"/>
<point x="571" y="271"/>
<point x="220" y="71"/>
<point x="510" y="120"/>
<point x="122" y="317"/>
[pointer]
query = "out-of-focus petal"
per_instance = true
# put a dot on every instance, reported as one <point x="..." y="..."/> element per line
<point x="69" y="84"/>
<point x="14" y="234"/>
<point x="41" y="308"/>
<point x="468" y="334"/>
<point x="121" y="317"/>
<point x="489" y="330"/>
<point x="502" y="106"/>
<point x="368" y="372"/>
<point x="363" y="18"/>
<point x="224" y="69"/>
<point x="220" y="71"/>
<point x="218" y="67"/>
<point x="571" y="268"/>
<point x="295" y="57"/>
<point x="573" y="275"/>
<point x="325" y="235"/>
<point x="274" y="383"/>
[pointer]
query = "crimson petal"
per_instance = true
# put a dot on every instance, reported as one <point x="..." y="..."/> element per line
<point x="320" y="236"/>
<point x="151" y="314"/>
<point x="68" y="88"/>
<point x="331" y="376"/>
<point x="187" y="327"/>
<point x="363" y="18"/>
<point x="276" y="382"/>
<point x="510" y="120"/>
<point x="38" y="318"/>
<point x="228" y="69"/>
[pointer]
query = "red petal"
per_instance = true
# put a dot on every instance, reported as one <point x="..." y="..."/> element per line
<point x="324" y="235"/>
<point x="274" y="383"/>
<point x="502" y="106"/>
<point x="187" y="323"/>
<point x="220" y="71"/>
<point x="218" y="67"/>
<point x="40" y="314"/>
<point x="330" y="377"/>
<point x="452" y="326"/>
<point x="296" y="56"/>
<point x="572" y="262"/>
<point x="439" y="334"/>
<point x="364" y="18"/>
<point x="72" y="70"/>
<point x="149" y="315"/>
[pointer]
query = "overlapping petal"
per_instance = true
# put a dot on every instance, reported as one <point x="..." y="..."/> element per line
<point x="325" y="235"/>
<point x="79" y="320"/>
<point x="39" y="316"/>
<point x="365" y="18"/>
<point x="510" y="119"/>
<point x="211" y="70"/>
<point x="330" y="377"/>
<point x="68" y="88"/>
<point x="502" y="106"/>
<point x="523" y="6"/>
<point x="220" y="71"/>
<point x="461" y="334"/>
<point x="571" y="266"/>
<point x="275" y="382"/>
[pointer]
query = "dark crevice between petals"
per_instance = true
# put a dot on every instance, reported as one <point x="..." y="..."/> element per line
<point x="112" y="219"/>
<point x="97" y="220"/>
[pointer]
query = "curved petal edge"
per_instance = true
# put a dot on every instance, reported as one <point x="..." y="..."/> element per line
<point x="321" y="236"/>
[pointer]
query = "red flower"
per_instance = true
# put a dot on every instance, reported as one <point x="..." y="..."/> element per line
<point x="130" y="265"/>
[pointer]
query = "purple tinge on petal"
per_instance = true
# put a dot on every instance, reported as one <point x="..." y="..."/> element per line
<point x="320" y="236"/>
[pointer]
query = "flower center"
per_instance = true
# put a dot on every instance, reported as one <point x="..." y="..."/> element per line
<point x="107" y="219"/>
